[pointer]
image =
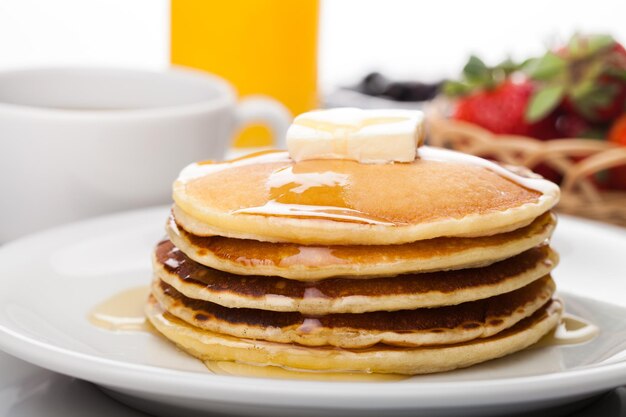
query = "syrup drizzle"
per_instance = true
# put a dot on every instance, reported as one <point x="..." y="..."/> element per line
<point x="300" y="191"/>
<point x="303" y="191"/>
<point x="341" y="131"/>
<point x="426" y="153"/>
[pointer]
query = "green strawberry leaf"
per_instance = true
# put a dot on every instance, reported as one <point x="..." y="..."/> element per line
<point x="596" y="97"/>
<point x="587" y="83"/>
<point x="583" y="46"/>
<point x="579" y="91"/>
<point x="475" y="71"/>
<point x="617" y="73"/>
<point x="575" y="45"/>
<point x="456" y="88"/>
<point x="543" y="101"/>
<point x="596" y="43"/>
<point x="508" y="66"/>
<point x="547" y="67"/>
<point x="596" y="132"/>
<point x="589" y="89"/>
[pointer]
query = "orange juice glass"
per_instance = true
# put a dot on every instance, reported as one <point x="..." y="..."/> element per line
<point x="260" y="46"/>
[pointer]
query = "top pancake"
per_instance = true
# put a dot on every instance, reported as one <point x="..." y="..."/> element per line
<point x="269" y="197"/>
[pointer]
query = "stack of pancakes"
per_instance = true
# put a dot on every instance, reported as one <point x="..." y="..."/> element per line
<point x="333" y="265"/>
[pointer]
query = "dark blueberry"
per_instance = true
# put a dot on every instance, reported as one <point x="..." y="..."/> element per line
<point x="374" y="84"/>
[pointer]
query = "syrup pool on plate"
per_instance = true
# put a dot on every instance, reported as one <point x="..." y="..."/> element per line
<point x="123" y="311"/>
<point x="572" y="330"/>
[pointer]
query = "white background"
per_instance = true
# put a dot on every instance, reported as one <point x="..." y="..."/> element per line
<point x="409" y="39"/>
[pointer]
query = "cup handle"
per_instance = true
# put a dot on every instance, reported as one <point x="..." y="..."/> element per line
<point x="267" y="111"/>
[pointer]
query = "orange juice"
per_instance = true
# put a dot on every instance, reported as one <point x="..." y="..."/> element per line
<point x="260" y="46"/>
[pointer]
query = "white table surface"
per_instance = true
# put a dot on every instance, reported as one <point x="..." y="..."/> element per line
<point x="29" y="391"/>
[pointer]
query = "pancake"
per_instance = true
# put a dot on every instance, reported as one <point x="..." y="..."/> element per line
<point x="314" y="262"/>
<point x="419" y="327"/>
<point x="207" y="345"/>
<point x="269" y="197"/>
<point x="345" y="295"/>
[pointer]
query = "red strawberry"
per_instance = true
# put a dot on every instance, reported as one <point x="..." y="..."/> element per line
<point x="501" y="110"/>
<point x="571" y="125"/>
<point x="617" y="135"/>
<point x="497" y="98"/>
<point x="548" y="173"/>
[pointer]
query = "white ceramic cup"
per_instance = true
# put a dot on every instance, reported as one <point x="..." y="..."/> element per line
<point x="79" y="142"/>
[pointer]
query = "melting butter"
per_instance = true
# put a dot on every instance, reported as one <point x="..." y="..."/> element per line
<point x="366" y="136"/>
<point x="340" y="128"/>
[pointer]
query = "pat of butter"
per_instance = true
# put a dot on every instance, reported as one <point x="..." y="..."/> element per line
<point x="367" y="136"/>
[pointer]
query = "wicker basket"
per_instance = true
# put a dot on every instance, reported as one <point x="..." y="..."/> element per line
<point x="579" y="194"/>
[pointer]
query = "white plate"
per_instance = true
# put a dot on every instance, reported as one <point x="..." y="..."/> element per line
<point x="50" y="281"/>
